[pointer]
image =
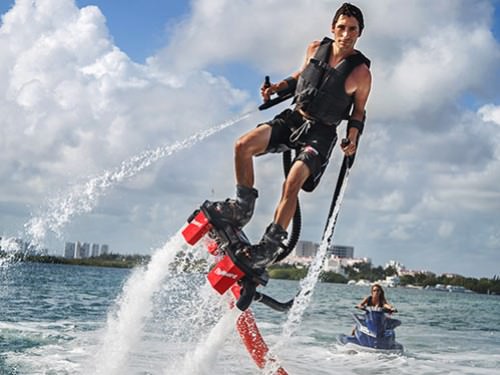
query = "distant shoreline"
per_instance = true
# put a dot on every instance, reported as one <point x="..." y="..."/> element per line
<point x="110" y="260"/>
<point x="284" y="272"/>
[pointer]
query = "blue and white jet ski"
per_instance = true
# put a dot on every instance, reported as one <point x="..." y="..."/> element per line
<point x="374" y="332"/>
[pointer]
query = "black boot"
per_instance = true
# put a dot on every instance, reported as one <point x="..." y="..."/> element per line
<point x="237" y="211"/>
<point x="269" y="247"/>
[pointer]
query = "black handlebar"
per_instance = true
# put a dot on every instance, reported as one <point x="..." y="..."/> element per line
<point x="370" y="308"/>
<point x="281" y="96"/>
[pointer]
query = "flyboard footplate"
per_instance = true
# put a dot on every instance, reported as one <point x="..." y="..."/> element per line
<point x="225" y="240"/>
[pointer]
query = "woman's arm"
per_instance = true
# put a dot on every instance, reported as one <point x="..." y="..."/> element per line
<point x="362" y="303"/>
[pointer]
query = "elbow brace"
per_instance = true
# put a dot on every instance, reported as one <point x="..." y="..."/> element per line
<point x="355" y="124"/>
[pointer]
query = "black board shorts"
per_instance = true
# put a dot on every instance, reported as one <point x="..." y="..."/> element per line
<point x="312" y="141"/>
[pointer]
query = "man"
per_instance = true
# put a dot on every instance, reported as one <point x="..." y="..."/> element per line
<point x="333" y="78"/>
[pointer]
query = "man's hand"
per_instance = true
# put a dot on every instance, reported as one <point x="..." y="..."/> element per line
<point x="267" y="91"/>
<point x="349" y="148"/>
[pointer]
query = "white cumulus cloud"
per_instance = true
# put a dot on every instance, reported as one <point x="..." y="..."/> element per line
<point x="73" y="105"/>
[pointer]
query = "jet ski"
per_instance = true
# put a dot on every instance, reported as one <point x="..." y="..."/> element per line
<point x="374" y="332"/>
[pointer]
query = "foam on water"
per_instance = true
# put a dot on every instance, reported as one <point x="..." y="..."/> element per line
<point x="83" y="198"/>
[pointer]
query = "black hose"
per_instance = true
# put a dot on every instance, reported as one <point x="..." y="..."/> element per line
<point x="247" y="293"/>
<point x="272" y="303"/>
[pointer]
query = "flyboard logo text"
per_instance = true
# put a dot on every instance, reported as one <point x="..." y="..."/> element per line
<point x="197" y="223"/>
<point x="220" y="272"/>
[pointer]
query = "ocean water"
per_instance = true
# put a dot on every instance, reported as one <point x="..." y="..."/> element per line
<point x="59" y="319"/>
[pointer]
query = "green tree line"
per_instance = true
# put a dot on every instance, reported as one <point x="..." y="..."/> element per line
<point x="366" y="271"/>
<point x="107" y="260"/>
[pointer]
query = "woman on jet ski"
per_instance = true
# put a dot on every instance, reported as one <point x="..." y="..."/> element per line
<point x="376" y="299"/>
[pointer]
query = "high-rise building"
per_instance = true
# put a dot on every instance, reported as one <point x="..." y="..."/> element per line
<point x="85" y="250"/>
<point x="78" y="251"/>
<point x="104" y="249"/>
<point x="94" y="252"/>
<point x="341" y="251"/>
<point x="309" y="249"/>
<point x="305" y="249"/>
<point x="69" y="250"/>
<point x="82" y="250"/>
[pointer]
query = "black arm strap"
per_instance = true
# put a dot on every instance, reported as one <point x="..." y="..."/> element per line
<point x="291" y="82"/>
<point x="355" y="124"/>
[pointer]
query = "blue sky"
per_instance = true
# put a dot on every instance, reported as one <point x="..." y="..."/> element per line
<point x="89" y="85"/>
<point x="141" y="27"/>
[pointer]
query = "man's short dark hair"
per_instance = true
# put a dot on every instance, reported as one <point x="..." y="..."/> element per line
<point x="347" y="9"/>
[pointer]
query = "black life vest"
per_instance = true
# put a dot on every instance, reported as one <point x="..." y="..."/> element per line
<point x="320" y="88"/>
<point x="369" y="302"/>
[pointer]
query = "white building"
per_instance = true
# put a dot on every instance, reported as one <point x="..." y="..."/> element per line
<point x="337" y="256"/>
<point x="94" y="250"/>
<point x="396" y="265"/>
<point x="308" y="249"/>
<point x="82" y="251"/>
<point x="336" y="264"/>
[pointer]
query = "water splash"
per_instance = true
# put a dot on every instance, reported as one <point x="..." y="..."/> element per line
<point x="10" y="248"/>
<point x="202" y="360"/>
<point x="307" y="286"/>
<point x="134" y="306"/>
<point x="84" y="197"/>
<point x="194" y="313"/>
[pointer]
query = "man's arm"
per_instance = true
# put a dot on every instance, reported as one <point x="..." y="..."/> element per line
<point x="266" y="92"/>
<point x="363" y="78"/>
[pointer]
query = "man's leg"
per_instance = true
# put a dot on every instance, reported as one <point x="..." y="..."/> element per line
<point x="298" y="174"/>
<point x="247" y="146"/>
<point x="239" y="211"/>
<point x="269" y="247"/>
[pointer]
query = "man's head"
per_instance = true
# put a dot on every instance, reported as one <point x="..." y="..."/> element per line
<point x="350" y="10"/>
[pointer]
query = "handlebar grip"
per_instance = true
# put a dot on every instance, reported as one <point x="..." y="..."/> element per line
<point x="267" y="81"/>
<point x="282" y="95"/>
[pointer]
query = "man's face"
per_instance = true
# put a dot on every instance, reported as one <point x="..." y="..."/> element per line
<point x="346" y="32"/>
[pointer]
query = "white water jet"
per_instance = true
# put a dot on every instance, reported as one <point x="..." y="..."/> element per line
<point x="84" y="197"/>
<point x="134" y="306"/>
<point x="307" y="285"/>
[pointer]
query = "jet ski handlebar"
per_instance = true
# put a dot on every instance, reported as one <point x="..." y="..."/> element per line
<point x="374" y="308"/>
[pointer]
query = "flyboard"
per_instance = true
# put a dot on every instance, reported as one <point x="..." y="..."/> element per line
<point x="225" y="241"/>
